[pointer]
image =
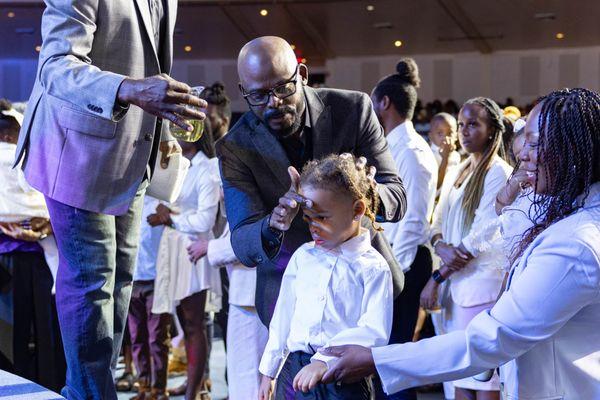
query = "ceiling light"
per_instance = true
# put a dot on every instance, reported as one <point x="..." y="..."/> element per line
<point x="370" y="7"/>
<point x="187" y="48"/>
<point x="10" y="14"/>
<point x="38" y="48"/>
<point x="264" y="12"/>
<point x="398" y="43"/>
<point x="560" y="35"/>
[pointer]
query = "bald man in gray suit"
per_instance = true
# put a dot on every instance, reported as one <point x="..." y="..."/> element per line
<point x="89" y="141"/>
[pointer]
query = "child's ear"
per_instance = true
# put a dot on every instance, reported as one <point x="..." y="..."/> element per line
<point x="359" y="208"/>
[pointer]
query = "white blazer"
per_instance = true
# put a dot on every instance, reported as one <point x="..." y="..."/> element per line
<point x="544" y="330"/>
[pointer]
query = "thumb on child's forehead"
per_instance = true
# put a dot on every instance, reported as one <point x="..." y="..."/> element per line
<point x="294" y="177"/>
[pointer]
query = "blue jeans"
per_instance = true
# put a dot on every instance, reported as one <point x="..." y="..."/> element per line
<point x="93" y="287"/>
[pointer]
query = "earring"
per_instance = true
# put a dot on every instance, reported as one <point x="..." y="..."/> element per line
<point x="356" y="218"/>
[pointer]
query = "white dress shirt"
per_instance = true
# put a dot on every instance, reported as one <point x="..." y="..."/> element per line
<point x="544" y="330"/>
<point x="145" y="269"/>
<point x="418" y="170"/>
<point x="453" y="157"/>
<point x="330" y="297"/>
<point x="480" y="281"/>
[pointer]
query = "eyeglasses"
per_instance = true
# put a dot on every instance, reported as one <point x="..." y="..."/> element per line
<point x="261" y="97"/>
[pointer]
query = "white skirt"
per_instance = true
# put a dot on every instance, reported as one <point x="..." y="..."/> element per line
<point x="176" y="276"/>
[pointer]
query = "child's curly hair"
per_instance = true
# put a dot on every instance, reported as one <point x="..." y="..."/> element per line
<point x="340" y="173"/>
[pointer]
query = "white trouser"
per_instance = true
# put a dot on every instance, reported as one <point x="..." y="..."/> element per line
<point x="246" y="341"/>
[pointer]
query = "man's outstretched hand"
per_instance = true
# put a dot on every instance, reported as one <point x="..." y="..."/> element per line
<point x="164" y="97"/>
<point x="354" y="363"/>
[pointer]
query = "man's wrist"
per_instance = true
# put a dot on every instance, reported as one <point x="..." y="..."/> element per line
<point x="124" y="93"/>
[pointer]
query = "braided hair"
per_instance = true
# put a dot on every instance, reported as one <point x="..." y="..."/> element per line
<point x="340" y="173"/>
<point x="569" y="148"/>
<point x="401" y="88"/>
<point x="474" y="187"/>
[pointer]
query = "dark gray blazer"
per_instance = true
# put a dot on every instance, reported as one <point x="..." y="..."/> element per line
<point x="254" y="172"/>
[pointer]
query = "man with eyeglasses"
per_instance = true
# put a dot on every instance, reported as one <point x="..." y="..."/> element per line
<point x="288" y="124"/>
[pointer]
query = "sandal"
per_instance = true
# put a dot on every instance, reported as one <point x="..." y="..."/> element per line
<point x="125" y="382"/>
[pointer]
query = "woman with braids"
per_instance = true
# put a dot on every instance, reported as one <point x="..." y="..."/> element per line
<point x="543" y="330"/>
<point x="466" y="204"/>
<point x="335" y="290"/>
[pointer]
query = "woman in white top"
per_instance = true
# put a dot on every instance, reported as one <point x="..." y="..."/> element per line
<point x="544" y="329"/>
<point x="246" y="334"/>
<point x="466" y="203"/>
<point x="180" y="282"/>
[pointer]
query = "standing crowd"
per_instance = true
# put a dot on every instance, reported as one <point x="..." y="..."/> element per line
<point x="314" y="232"/>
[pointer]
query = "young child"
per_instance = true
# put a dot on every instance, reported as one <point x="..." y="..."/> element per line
<point x="442" y="138"/>
<point x="335" y="290"/>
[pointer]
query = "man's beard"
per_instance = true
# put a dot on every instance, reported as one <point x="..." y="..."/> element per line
<point x="281" y="112"/>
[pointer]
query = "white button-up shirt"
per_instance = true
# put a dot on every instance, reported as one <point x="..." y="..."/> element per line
<point x="545" y="328"/>
<point x="330" y="297"/>
<point x="418" y="170"/>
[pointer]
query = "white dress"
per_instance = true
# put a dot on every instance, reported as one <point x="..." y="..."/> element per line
<point x="196" y="210"/>
<point x="479" y="283"/>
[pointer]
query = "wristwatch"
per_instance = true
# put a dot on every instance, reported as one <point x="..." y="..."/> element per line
<point x="437" y="276"/>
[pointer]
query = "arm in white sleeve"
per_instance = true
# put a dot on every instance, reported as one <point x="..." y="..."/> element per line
<point x="561" y="277"/>
<point x="375" y="323"/>
<point x="441" y="209"/>
<point x="220" y="252"/>
<point x="202" y="219"/>
<point x="486" y="211"/>
<point x="413" y="229"/>
<point x="279" y="329"/>
<point x="66" y="69"/>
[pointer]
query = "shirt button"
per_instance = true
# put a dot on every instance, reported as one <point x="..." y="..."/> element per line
<point x="148" y="137"/>
<point x="322" y="298"/>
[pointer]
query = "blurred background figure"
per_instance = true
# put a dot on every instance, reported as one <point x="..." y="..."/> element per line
<point x="30" y="340"/>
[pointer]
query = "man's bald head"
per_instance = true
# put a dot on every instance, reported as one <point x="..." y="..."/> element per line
<point x="266" y="63"/>
<point x="264" y="58"/>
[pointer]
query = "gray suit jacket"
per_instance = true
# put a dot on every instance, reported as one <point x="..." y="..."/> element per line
<point x="254" y="172"/>
<point x="79" y="146"/>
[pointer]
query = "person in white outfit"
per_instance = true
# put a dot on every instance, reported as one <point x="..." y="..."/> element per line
<point x="246" y="335"/>
<point x="543" y="330"/>
<point x="336" y="289"/>
<point x="442" y="139"/>
<point x="466" y="204"/>
<point x="394" y="99"/>
<point x="179" y="282"/>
